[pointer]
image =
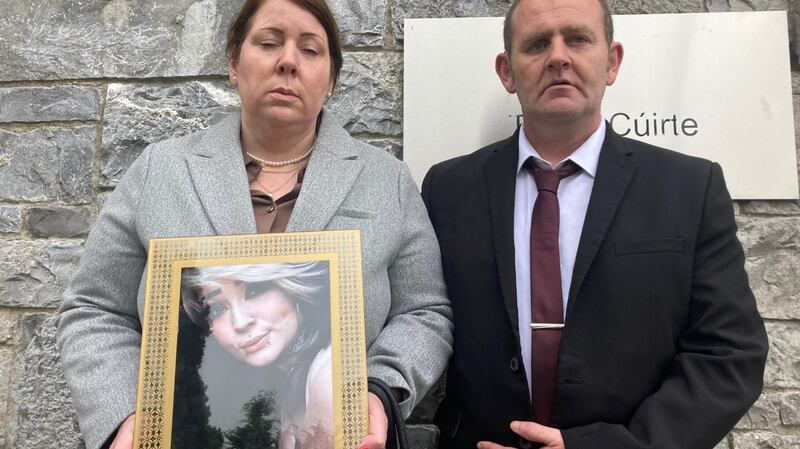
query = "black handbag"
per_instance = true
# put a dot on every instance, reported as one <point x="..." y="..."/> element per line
<point x="396" y="437"/>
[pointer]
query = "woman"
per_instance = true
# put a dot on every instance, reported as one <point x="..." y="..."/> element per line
<point x="282" y="163"/>
<point x="273" y="314"/>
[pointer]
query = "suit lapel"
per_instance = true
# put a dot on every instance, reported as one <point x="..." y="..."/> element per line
<point x="501" y="183"/>
<point x="216" y="167"/>
<point x="614" y="171"/>
<point x="332" y="170"/>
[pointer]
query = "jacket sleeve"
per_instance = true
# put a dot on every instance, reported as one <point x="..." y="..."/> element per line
<point x="415" y="345"/>
<point x="99" y="332"/>
<point x="717" y="373"/>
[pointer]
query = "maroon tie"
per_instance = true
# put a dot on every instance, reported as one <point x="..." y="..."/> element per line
<point x="546" y="301"/>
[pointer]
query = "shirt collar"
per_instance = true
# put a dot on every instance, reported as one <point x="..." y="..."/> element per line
<point x="252" y="167"/>
<point x="586" y="156"/>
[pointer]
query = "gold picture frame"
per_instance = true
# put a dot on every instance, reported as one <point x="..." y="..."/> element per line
<point x="264" y="344"/>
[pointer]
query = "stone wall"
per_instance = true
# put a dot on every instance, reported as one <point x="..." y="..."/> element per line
<point x="85" y="85"/>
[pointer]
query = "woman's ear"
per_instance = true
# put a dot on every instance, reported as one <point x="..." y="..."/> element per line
<point x="233" y="72"/>
<point x="331" y="87"/>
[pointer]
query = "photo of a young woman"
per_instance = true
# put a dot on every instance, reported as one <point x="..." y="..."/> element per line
<point x="274" y="321"/>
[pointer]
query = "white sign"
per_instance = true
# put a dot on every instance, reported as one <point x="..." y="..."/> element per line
<point x="714" y="85"/>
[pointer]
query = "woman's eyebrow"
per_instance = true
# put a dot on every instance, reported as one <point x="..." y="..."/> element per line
<point x="310" y="35"/>
<point x="211" y="294"/>
<point x="277" y="30"/>
<point x="269" y="29"/>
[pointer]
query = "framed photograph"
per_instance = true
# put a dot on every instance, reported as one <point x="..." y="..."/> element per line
<point x="253" y="342"/>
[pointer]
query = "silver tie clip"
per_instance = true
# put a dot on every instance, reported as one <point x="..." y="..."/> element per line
<point x="536" y="326"/>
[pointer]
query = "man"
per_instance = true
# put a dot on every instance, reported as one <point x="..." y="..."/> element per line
<point x="661" y="345"/>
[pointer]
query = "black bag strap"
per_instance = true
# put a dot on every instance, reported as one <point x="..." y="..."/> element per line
<point x="396" y="438"/>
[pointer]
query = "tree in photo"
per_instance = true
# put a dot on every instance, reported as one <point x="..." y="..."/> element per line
<point x="260" y="428"/>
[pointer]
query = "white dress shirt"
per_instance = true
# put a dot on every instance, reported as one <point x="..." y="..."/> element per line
<point x="573" y="199"/>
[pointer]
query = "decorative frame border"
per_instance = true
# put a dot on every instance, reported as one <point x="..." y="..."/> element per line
<point x="167" y="258"/>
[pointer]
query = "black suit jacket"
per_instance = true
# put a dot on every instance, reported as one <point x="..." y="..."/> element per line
<point x="663" y="346"/>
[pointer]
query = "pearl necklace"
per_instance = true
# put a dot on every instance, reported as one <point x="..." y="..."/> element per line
<point x="267" y="163"/>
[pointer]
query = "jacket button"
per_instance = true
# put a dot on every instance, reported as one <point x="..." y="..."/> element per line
<point x="514" y="364"/>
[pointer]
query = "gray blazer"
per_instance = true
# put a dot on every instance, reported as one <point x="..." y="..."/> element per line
<point x="197" y="185"/>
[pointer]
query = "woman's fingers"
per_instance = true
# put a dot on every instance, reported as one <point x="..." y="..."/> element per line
<point x="378" y="425"/>
<point x="124" y="438"/>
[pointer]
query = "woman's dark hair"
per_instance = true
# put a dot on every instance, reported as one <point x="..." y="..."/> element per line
<point x="318" y="8"/>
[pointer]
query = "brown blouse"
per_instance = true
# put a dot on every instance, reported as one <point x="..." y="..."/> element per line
<point x="272" y="215"/>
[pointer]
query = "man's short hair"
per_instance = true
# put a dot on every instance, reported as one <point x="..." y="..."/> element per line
<point x="508" y="32"/>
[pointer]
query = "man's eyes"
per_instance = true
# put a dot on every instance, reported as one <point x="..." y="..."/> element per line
<point x="543" y="44"/>
<point x="536" y="46"/>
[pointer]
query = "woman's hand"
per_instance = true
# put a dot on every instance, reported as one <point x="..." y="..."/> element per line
<point x="378" y="425"/>
<point x="124" y="438"/>
<point x="547" y="437"/>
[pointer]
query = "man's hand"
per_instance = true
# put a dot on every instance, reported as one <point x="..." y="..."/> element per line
<point x="549" y="437"/>
<point x="378" y="425"/>
<point x="124" y="438"/>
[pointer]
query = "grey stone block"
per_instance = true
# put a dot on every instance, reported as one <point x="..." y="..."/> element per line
<point x="765" y="440"/>
<point x="6" y="365"/>
<point x="44" y="417"/>
<point x="58" y="222"/>
<point x="790" y="409"/>
<point x="783" y="207"/>
<point x="74" y="39"/>
<point x="770" y="245"/>
<point x="772" y="411"/>
<point x="138" y="115"/>
<point x="413" y="9"/>
<point x="10" y="220"/>
<point x="762" y="235"/>
<point x="764" y="414"/>
<point x="392" y="147"/>
<point x="368" y="98"/>
<point x="783" y="361"/>
<point x="774" y="280"/>
<point x="361" y="23"/>
<point x="36" y="273"/>
<point x="9" y="327"/>
<point x="725" y="443"/>
<point x="50" y="164"/>
<point x="42" y="104"/>
<point x="657" y="6"/>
